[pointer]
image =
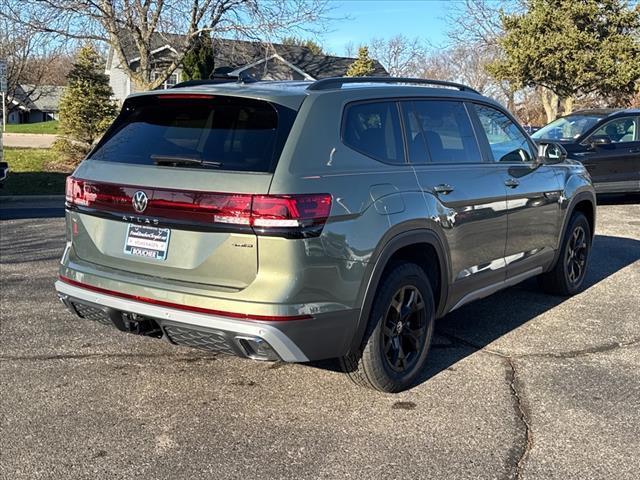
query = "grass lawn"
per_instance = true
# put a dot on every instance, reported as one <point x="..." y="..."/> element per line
<point x="27" y="175"/>
<point x="41" y="127"/>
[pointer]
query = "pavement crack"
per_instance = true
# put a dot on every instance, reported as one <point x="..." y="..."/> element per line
<point x="516" y="389"/>
<point x="523" y="415"/>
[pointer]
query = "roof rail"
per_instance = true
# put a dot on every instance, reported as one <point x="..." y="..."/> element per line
<point x="338" y="82"/>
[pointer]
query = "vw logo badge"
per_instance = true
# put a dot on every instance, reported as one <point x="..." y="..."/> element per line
<point x="139" y="201"/>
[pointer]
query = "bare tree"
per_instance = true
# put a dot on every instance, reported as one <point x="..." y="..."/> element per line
<point x="32" y="61"/>
<point x="126" y="24"/>
<point x="477" y="22"/>
<point x="476" y="28"/>
<point x="350" y="49"/>
<point x="401" y="56"/>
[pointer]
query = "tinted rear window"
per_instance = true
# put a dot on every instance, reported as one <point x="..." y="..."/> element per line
<point x="374" y="129"/>
<point x="226" y="132"/>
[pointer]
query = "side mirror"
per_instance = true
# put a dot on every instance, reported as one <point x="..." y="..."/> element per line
<point x="549" y="153"/>
<point x="599" y="140"/>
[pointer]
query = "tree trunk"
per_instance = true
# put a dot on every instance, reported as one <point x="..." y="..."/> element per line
<point x="550" y="102"/>
<point x="567" y="105"/>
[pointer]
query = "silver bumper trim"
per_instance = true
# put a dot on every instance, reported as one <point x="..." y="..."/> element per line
<point x="284" y="347"/>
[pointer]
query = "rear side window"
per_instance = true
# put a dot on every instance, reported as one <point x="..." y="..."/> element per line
<point x="374" y="130"/>
<point x="201" y="131"/>
<point x="447" y="130"/>
<point x="506" y="140"/>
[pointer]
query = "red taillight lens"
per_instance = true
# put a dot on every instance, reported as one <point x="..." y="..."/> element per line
<point x="264" y="212"/>
<point x="200" y="206"/>
<point x="290" y="210"/>
<point x="74" y="191"/>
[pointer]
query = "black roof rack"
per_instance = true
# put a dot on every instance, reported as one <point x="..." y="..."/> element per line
<point x="338" y="82"/>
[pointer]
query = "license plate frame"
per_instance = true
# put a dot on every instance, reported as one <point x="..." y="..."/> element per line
<point x="147" y="242"/>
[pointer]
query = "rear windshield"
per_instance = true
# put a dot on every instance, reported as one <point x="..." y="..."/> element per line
<point x="198" y="131"/>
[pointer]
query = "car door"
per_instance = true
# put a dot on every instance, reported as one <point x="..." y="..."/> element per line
<point x="612" y="155"/>
<point x="533" y="193"/>
<point x="467" y="193"/>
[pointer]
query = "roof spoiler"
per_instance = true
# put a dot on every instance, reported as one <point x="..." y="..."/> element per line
<point x="216" y="79"/>
<point x="338" y="82"/>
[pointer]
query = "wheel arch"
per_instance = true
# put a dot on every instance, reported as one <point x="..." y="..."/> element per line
<point x="405" y="245"/>
<point x="584" y="202"/>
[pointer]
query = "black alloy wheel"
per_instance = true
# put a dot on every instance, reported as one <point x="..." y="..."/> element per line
<point x="576" y="255"/>
<point x="567" y="276"/>
<point x="404" y="329"/>
<point x="396" y="343"/>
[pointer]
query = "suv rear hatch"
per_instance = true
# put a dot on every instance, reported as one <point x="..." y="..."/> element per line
<point x="177" y="189"/>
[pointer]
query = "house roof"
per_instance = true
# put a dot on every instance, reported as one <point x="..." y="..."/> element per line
<point x="45" y="98"/>
<point x="233" y="54"/>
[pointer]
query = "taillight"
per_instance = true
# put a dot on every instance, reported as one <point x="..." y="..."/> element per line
<point x="290" y="210"/>
<point x="285" y="215"/>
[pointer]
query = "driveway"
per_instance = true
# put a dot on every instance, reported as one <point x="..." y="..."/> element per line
<point x="28" y="140"/>
<point x="519" y="386"/>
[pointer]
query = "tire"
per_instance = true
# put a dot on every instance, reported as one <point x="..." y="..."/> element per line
<point x="398" y="336"/>
<point x="568" y="274"/>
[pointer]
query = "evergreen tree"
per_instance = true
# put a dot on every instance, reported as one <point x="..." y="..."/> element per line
<point x="86" y="107"/>
<point x="311" y="45"/>
<point x="198" y="63"/>
<point x="363" y="66"/>
<point x="572" y="48"/>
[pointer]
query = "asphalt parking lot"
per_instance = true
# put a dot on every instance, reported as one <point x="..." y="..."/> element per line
<point x="520" y="385"/>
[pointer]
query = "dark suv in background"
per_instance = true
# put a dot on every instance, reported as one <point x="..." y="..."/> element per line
<point x="301" y="221"/>
<point x="606" y="141"/>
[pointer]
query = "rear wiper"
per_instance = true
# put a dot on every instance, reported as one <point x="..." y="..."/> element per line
<point x="176" y="160"/>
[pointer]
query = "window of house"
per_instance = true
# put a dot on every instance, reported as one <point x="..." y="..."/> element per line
<point x="169" y="82"/>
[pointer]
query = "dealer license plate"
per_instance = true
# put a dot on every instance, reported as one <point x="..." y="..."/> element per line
<point x="149" y="242"/>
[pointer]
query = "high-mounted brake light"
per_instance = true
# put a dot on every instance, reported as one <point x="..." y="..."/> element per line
<point x="266" y="214"/>
<point x="182" y="96"/>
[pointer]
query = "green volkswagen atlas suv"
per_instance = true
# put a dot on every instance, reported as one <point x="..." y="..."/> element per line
<point x="299" y="221"/>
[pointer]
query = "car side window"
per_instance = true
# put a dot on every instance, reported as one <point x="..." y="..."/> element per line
<point x="446" y="130"/>
<point x="416" y="143"/>
<point x="373" y="128"/>
<point x="506" y="140"/>
<point x="620" y="130"/>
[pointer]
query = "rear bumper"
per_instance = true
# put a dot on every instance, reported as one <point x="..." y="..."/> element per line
<point x="325" y="336"/>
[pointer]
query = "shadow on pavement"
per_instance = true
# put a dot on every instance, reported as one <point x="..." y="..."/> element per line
<point x="17" y="183"/>
<point x="475" y="325"/>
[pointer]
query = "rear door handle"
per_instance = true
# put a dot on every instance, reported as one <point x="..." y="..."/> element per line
<point x="443" y="188"/>
<point x="511" y="182"/>
<point x="634" y="150"/>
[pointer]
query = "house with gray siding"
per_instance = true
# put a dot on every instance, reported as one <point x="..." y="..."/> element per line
<point x="35" y="103"/>
<point x="234" y="57"/>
